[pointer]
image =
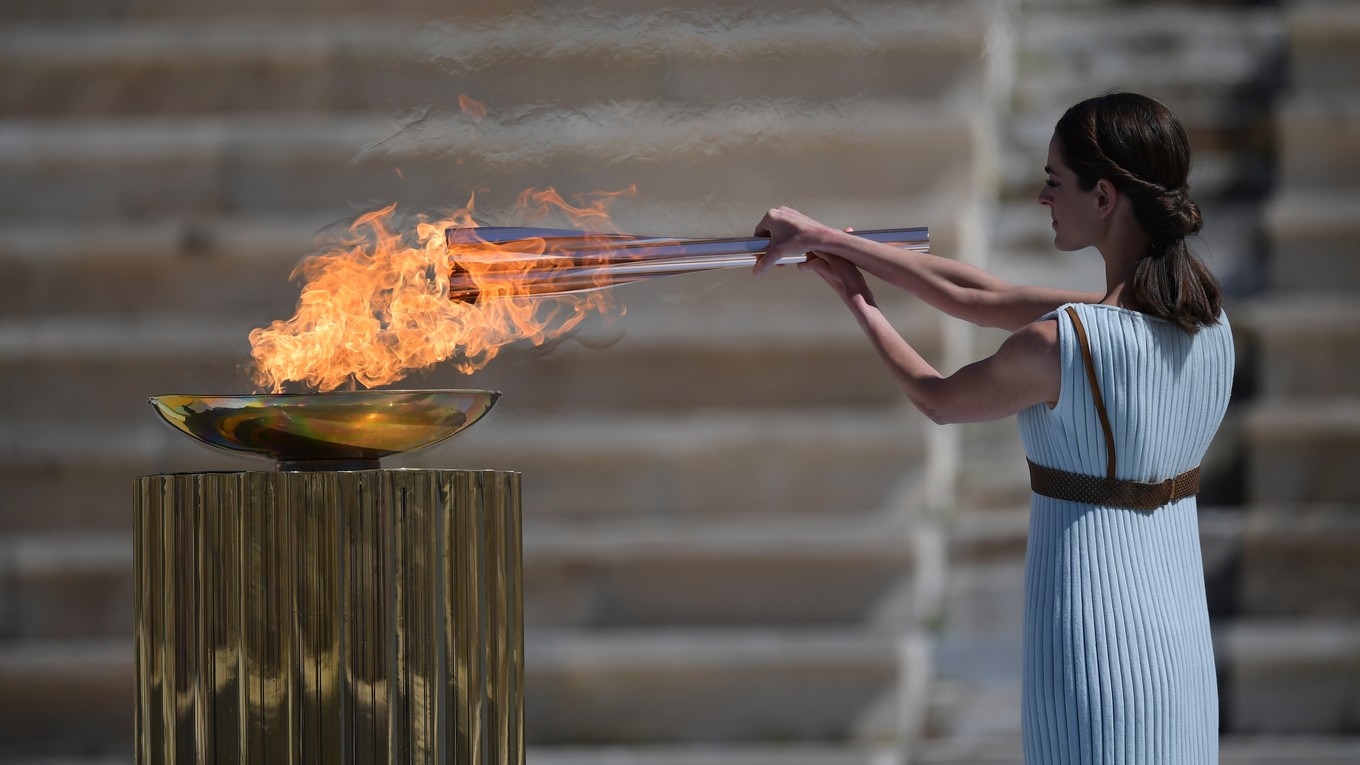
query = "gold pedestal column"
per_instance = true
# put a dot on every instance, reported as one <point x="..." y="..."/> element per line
<point x="329" y="617"/>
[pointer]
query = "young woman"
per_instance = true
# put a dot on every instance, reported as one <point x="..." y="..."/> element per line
<point x="1118" y="395"/>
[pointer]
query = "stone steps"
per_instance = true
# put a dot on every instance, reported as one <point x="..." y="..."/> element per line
<point x="1319" y="142"/>
<point x="339" y="65"/>
<point x="1317" y="545"/>
<point x="242" y="264"/>
<point x="1324" y="50"/>
<point x="722" y="685"/>
<point x="1184" y="53"/>
<point x="1289" y="677"/>
<point x="668" y="347"/>
<point x="777" y="571"/>
<point x="103" y="170"/>
<point x="1311" y="232"/>
<point x="1302" y="451"/>
<point x="1233" y="750"/>
<point x="661" y="686"/>
<point x="1210" y="65"/>
<point x="67" y="698"/>
<point x="142" y="10"/>
<point x="785" y="571"/>
<point x="1306" y="346"/>
<point x="703" y="463"/>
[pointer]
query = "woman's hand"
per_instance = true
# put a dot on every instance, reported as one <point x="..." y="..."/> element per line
<point x="841" y="274"/>
<point x="791" y="234"/>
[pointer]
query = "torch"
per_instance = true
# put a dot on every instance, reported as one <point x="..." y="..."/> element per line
<point x="556" y="261"/>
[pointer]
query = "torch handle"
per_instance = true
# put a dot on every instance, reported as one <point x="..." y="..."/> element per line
<point x="573" y="261"/>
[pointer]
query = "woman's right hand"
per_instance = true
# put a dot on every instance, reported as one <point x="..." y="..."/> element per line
<point x="791" y="234"/>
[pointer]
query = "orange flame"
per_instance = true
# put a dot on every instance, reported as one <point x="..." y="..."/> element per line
<point x="472" y="108"/>
<point x="375" y="304"/>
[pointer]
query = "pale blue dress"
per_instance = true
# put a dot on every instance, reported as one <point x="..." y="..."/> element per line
<point x="1118" y="659"/>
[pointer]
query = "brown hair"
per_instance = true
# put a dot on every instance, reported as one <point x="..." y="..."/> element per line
<point x="1138" y="145"/>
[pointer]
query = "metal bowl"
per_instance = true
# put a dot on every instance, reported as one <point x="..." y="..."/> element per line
<point x="343" y="430"/>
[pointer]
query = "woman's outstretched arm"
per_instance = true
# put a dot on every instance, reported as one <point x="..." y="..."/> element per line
<point x="1023" y="372"/>
<point x="958" y="289"/>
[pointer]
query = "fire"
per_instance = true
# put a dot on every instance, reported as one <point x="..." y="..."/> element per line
<point x="475" y="110"/>
<point x="375" y="303"/>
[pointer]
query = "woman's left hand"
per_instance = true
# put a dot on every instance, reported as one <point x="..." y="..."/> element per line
<point x="841" y="274"/>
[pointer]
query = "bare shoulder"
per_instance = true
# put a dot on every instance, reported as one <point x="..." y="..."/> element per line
<point x="1036" y="338"/>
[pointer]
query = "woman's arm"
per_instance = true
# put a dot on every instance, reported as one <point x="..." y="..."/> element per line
<point x="958" y="289"/>
<point x="1023" y="372"/>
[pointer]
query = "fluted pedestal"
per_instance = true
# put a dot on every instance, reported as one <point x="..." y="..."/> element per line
<point x="329" y="617"/>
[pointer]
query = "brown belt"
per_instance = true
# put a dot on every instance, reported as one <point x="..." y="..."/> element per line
<point x="1111" y="492"/>
<point x="1108" y="491"/>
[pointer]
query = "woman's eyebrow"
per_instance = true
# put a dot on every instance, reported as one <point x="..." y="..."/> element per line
<point x="1049" y="170"/>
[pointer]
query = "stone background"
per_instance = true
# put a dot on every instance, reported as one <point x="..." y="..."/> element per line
<point x="742" y="546"/>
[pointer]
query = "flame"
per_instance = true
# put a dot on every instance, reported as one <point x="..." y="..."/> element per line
<point x="476" y="110"/>
<point x="375" y="303"/>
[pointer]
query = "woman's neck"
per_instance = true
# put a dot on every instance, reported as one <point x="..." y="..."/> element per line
<point x="1123" y="247"/>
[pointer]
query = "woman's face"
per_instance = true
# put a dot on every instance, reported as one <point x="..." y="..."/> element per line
<point x="1074" y="211"/>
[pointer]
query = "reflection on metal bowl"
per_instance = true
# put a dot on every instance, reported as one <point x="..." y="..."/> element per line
<point x="343" y="430"/>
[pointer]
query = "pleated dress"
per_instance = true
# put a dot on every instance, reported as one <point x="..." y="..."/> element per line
<point x="1118" y="657"/>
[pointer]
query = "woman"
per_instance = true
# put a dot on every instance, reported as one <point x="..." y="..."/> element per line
<point x="1118" y="395"/>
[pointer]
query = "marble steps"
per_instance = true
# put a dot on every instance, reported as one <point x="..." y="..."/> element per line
<point x="509" y="63"/>
<point x="1311" y="233"/>
<point x="1319" y="142"/>
<point x="833" y="462"/>
<point x="628" y="573"/>
<point x="136" y="11"/>
<point x="1304" y="345"/>
<point x="1303" y="450"/>
<point x="1289" y="676"/>
<point x="151" y="169"/>
<point x="1192" y="57"/>
<point x="660" y="354"/>
<point x="1208" y="64"/>
<point x="717" y="686"/>
<point x="1324" y="45"/>
<point x="1233" y="750"/>
<point x="1316" y="544"/>
<point x="194" y="264"/>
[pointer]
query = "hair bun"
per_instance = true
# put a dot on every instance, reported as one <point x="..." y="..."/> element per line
<point x="1174" y="217"/>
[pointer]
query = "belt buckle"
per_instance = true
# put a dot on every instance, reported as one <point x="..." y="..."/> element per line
<point x="1170" y="485"/>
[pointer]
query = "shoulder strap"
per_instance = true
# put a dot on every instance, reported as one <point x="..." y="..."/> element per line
<point x="1095" y="387"/>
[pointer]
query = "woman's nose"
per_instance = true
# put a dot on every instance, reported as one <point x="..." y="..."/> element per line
<point x="1045" y="195"/>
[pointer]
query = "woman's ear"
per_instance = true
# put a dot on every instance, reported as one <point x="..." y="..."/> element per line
<point x="1106" y="197"/>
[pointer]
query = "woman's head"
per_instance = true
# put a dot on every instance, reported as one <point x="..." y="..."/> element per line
<point x="1139" y="147"/>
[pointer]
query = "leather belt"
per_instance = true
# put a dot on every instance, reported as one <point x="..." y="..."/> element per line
<point x="1111" y="492"/>
<point x="1108" y="491"/>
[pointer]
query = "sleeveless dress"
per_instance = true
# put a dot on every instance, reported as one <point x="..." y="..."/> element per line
<point x="1118" y="658"/>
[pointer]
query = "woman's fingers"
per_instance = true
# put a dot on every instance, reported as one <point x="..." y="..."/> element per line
<point x="789" y="232"/>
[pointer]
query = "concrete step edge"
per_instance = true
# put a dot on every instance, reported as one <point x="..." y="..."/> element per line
<point x="709" y="754"/>
<point x="1292" y="212"/>
<point x="1288" y="639"/>
<point x="546" y="539"/>
<point x="1304" y="418"/>
<point x="578" y="436"/>
<point x="85" y="339"/>
<point x="606" y="130"/>
<point x="265" y="238"/>
<point x="85" y="552"/>
<point x="543" y="35"/>
<point x="1313" y="23"/>
<point x="1068" y="24"/>
<point x="558" y="650"/>
<point x="870" y="538"/>
<point x="677" y="649"/>
<point x="1291" y="315"/>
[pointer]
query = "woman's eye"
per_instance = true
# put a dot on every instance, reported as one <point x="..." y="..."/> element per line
<point x="1052" y="184"/>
